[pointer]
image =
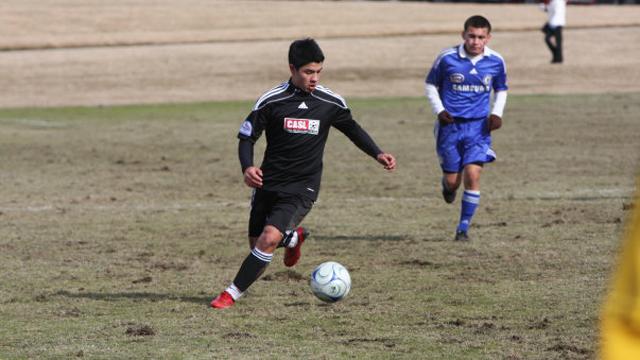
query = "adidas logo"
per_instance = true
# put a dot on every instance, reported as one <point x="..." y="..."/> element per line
<point x="302" y="106"/>
<point x="473" y="71"/>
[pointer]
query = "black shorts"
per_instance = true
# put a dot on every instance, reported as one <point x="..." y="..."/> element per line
<point x="282" y="210"/>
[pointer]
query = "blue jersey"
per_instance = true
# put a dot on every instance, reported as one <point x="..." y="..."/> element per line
<point x="465" y="86"/>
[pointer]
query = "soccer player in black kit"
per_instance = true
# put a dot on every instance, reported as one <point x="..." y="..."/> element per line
<point x="296" y="117"/>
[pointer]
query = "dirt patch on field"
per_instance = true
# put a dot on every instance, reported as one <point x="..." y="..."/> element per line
<point x="119" y="52"/>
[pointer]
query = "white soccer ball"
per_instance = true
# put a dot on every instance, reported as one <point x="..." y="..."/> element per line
<point x="330" y="281"/>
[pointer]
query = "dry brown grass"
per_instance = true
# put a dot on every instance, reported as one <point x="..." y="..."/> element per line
<point x="220" y="50"/>
<point x="119" y="224"/>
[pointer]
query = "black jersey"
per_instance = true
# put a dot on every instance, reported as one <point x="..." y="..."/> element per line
<point x="296" y="124"/>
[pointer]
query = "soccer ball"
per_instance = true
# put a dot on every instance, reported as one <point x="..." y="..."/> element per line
<point x="330" y="281"/>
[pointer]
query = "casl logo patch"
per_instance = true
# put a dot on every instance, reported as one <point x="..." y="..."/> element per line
<point x="301" y="126"/>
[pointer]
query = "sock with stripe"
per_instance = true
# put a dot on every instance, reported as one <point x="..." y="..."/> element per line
<point x="470" y="201"/>
<point x="250" y="270"/>
<point x="234" y="291"/>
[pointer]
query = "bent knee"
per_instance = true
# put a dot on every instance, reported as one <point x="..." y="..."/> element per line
<point x="270" y="238"/>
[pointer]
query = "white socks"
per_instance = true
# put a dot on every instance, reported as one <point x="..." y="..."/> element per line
<point x="234" y="292"/>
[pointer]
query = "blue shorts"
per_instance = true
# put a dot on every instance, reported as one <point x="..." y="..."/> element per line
<point x="463" y="143"/>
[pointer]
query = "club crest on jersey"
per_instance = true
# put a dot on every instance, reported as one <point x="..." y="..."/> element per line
<point x="487" y="80"/>
<point x="301" y="126"/>
<point x="246" y="128"/>
<point x="456" y="78"/>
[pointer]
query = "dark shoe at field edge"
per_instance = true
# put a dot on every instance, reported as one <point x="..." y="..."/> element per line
<point x="461" y="236"/>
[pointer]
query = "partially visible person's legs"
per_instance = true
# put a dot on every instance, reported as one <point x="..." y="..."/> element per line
<point x="557" y="53"/>
<point x="548" y="35"/>
<point x="553" y="39"/>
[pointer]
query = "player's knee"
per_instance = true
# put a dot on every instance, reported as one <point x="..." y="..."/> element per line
<point x="472" y="182"/>
<point x="269" y="239"/>
<point x="452" y="181"/>
<point x="451" y="185"/>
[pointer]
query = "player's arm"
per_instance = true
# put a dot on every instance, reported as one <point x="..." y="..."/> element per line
<point x="433" y="81"/>
<point x="250" y="131"/>
<point x="500" y="88"/>
<point x="363" y="141"/>
<point x="436" y="104"/>
<point x="495" y="119"/>
<point x="252" y="174"/>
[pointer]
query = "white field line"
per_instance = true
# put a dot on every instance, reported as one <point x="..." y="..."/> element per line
<point x="576" y="195"/>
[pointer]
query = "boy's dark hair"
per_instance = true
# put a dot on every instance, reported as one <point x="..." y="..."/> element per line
<point x="478" y="22"/>
<point x="303" y="52"/>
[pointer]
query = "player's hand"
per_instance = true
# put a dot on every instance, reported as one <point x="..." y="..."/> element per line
<point x="494" y="122"/>
<point x="387" y="160"/>
<point x="445" y="118"/>
<point x="253" y="177"/>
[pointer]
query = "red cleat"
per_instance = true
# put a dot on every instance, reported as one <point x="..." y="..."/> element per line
<point x="223" y="301"/>
<point x="292" y="255"/>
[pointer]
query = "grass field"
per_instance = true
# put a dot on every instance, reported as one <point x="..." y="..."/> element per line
<point x="119" y="224"/>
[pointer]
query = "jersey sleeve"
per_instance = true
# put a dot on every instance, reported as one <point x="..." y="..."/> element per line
<point x="500" y="81"/>
<point x="434" y="77"/>
<point x="253" y="126"/>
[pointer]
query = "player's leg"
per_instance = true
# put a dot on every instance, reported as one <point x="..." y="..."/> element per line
<point x="261" y="204"/>
<point x="259" y="258"/>
<point x="549" y="33"/>
<point x="255" y="263"/>
<point x="477" y="151"/>
<point x="277" y="212"/>
<point x="447" y="139"/>
<point x="292" y="210"/>
<point x="450" y="184"/>
<point x="557" y="53"/>
<point x="470" y="199"/>
<point x="252" y="267"/>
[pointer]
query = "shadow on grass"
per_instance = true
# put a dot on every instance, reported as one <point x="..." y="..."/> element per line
<point x="363" y="238"/>
<point x="135" y="296"/>
<point x="379" y="238"/>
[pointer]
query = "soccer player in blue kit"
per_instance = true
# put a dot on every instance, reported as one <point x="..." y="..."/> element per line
<point x="459" y="87"/>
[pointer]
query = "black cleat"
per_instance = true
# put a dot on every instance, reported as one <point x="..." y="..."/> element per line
<point x="448" y="195"/>
<point x="461" y="236"/>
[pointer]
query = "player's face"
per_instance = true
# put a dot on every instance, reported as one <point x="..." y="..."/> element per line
<point x="475" y="39"/>
<point x="307" y="76"/>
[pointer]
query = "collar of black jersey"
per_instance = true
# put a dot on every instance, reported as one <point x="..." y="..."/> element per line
<point x="294" y="88"/>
